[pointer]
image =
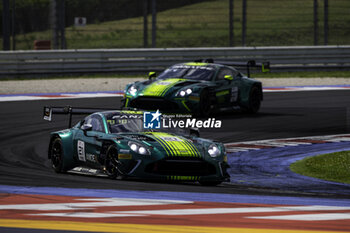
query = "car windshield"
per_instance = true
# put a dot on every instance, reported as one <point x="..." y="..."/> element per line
<point x="122" y="123"/>
<point x="188" y="72"/>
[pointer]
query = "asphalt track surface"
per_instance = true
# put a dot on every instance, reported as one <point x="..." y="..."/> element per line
<point x="24" y="137"/>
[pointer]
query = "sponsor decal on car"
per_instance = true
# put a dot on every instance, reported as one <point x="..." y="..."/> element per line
<point x="183" y="178"/>
<point x="194" y="98"/>
<point x="124" y="156"/>
<point x="81" y="150"/>
<point x="91" y="158"/>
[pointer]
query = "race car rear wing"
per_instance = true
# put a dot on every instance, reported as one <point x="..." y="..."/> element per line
<point x="265" y="66"/>
<point x="69" y="110"/>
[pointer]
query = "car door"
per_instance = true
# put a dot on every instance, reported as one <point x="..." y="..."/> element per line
<point x="226" y="90"/>
<point x="88" y="144"/>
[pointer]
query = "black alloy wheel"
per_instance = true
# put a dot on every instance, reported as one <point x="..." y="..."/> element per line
<point x="112" y="164"/>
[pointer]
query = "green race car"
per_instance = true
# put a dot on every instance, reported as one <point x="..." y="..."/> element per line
<point x="200" y="88"/>
<point x="116" y="144"/>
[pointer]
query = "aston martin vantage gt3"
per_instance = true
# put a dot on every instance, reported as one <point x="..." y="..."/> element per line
<point x="116" y="144"/>
<point x="199" y="88"/>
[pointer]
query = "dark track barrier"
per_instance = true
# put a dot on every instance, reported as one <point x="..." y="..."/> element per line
<point x="282" y="59"/>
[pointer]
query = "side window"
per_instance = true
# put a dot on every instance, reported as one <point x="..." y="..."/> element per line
<point x="96" y="123"/>
<point x="223" y="72"/>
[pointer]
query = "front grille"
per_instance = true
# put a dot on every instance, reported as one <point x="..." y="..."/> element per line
<point x="181" y="167"/>
<point x="153" y="103"/>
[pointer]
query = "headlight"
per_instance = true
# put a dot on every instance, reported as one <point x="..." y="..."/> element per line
<point x="213" y="150"/>
<point x="133" y="147"/>
<point x="138" y="148"/>
<point x="132" y="90"/>
<point x="184" y="93"/>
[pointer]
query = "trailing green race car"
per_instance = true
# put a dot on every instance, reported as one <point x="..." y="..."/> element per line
<point x="198" y="88"/>
<point x="116" y="144"/>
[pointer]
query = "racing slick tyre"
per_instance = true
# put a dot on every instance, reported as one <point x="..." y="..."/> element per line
<point x="210" y="183"/>
<point x="111" y="163"/>
<point x="57" y="156"/>
<point x="254" y="100"/>
<point x="205" y="108"/>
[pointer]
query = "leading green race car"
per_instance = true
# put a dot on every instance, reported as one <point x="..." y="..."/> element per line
<point x="115" y="143"/>
<point x="200" y="88"/>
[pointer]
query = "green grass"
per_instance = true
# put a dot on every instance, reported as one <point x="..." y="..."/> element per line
<point x="269" y="23"/>
<point x="332" y="167"/>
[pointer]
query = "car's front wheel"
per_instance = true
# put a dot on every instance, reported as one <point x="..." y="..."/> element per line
<point x="111" y="163"/>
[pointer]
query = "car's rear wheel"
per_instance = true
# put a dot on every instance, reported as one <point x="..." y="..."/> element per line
<point x="111" y="163"/>
<point x="254" y="100"/>
<point x="57" y="156"/>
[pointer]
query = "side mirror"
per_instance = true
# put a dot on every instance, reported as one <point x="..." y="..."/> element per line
<point x="151" y="75"/>
<point x="85" y="128"/>
<point x="265" y="67"/>
<point x="228" y="77"/>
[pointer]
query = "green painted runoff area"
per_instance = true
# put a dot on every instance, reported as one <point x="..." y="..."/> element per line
<point x="331" y="167"/>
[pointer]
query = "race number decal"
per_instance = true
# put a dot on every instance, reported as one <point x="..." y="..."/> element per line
<point x="81" y="150"/>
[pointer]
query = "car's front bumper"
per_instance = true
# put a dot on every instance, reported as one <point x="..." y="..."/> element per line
<point x="179" y="169"/>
